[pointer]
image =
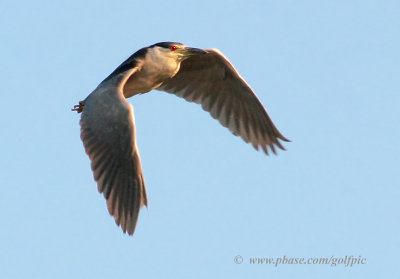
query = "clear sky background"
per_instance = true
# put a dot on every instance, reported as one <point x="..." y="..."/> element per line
<point x="328" y="74"/>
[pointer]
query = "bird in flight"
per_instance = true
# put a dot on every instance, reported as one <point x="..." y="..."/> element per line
<point x="107" y="122"/>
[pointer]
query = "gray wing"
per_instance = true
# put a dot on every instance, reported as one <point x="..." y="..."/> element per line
<point x="108" y="134"/>
<point x="212" y="81"/>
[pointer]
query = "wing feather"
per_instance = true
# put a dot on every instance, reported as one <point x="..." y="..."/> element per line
<point x="108" y="134"/>
<point x="212" y="81"/>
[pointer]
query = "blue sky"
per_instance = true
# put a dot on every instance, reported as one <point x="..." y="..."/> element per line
<point x="326" y="71"/>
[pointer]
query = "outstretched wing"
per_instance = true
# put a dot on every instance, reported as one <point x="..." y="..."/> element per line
<point x="108" y="134"/>
<point x="212" y="81"/>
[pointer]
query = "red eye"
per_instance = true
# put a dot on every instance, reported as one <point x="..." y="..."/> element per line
<point x="173" y="48"/>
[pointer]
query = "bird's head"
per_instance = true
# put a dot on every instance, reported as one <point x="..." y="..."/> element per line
<point x="176" y="51"/>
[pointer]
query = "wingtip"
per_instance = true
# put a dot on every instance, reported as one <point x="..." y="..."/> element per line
<point x="272" y="147"/>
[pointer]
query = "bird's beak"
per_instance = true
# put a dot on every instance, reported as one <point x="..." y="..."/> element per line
<point x="190" y="51"/>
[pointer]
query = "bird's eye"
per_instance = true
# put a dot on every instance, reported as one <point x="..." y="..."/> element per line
<point x="173" y="48"/>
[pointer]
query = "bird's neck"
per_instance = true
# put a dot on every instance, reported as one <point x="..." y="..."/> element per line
<point x="150" y="74"/>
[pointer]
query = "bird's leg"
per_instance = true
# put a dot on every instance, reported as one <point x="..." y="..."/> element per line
<point x="78" y="108"/>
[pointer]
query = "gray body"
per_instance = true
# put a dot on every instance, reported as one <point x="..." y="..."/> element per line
<point x="201" y="76"/>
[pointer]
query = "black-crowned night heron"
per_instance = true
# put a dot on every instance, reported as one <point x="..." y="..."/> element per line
<point x="107" y="124"/>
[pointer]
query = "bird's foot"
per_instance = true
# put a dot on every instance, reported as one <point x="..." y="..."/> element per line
<point x="78" y="108"/>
